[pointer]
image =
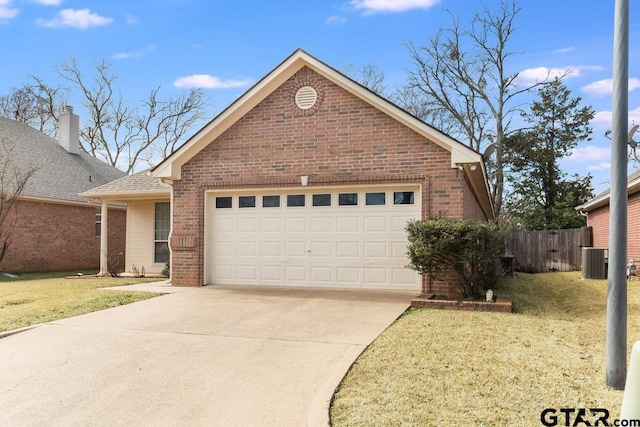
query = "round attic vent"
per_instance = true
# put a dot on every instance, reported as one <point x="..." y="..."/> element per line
<point x="306" y="97"/>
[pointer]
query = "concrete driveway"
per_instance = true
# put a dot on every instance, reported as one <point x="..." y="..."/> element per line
<point x="215" y="356"/>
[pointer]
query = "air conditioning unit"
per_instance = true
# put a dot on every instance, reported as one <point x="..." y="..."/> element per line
<point x="594" y="263"/>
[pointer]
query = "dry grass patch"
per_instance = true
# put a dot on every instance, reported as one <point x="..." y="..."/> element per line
<point x="38" y="298"/>
<point x="437" y="367"/>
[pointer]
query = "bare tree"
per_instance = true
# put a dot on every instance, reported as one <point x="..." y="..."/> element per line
<point x="369" y="76"/>
<point x="124" y="135"/>
<point x="13" y="180"/>
<point x="36" y="104"/>
<point x="121" y="134"/>
<point x="461" y="78"/>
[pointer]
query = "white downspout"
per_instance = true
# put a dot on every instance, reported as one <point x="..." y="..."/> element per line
<point x="169" y="183"/>
<point x="103" y="239"/>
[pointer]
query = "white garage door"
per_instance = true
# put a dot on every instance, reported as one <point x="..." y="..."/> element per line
<point x="337" y="237"/>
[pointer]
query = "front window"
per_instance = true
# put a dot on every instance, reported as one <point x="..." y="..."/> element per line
<point x="98" y="222"/>
<point x="161" y="232"/>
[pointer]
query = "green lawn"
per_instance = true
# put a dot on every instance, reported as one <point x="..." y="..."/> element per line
<point x="43" y="297"/>
<point x="435" y="367"/>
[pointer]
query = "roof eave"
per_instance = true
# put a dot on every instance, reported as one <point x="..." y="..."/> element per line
<point x="128" y="196"/>
<point x="633" y="186"/>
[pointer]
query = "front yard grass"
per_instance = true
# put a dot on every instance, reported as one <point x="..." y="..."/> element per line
<point x="42" y="297"/>
<point x="437" y="367"/>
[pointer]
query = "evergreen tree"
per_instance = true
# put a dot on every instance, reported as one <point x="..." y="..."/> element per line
<point x="542" y="196"/>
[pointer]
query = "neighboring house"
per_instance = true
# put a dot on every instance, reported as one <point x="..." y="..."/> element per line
<point x="308" y="179"/>
<point x="56" y="229"/>
<point x="597" y="211"/>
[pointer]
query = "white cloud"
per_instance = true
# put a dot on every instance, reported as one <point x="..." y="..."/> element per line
<point x="531" y="76"/>
<point x="6" y="11"/>
<point x="80" y="18"/>
<point x="207" y="81"/>
<point x="589" y="153"/>
<point x="600" y="166"/>
<point x="336" y="20"/>
<point x="391" y="6"/>
<point x="130" y="19"/>
<point x="564" y="50"/>
<point x="539" y="74"/>
<point x="605" y="87"/>
<point x="603" y="119"/>
<point x="134" y="54"/>
<point x="48" y="2"/>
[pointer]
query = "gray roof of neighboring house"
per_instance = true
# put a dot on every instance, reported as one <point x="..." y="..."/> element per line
<point x="60" y="175"/>
<point x="602" y="199"/>
<point x="140" y="182"/>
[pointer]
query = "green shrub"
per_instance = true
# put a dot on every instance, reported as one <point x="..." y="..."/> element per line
<point x="166" y="271"/>
<point x="471" y="248"/>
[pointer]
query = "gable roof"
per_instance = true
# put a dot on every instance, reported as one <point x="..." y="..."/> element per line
<point x="602" y="199"/>
<point x="136" y="186"/>
<point x="461" y="155"/>
<point x="60" y="175"/>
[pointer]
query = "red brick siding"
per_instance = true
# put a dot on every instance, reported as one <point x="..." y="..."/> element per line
<point x="343" y="141"/>
<point x="599" y="221"/>
<point x="57" y="237"/>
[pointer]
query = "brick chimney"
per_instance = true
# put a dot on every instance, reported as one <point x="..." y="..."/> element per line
<point x="69" y="134"/>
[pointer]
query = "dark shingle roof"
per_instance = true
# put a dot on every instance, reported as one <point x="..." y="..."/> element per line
<point x="60" y="174"/>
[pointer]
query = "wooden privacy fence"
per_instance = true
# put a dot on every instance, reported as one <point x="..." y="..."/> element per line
<point x="548" y="250"/>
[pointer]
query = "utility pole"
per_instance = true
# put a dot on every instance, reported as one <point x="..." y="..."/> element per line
<point x="616" y="363"/>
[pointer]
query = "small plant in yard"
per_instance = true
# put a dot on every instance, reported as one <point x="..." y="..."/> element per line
<point x="468" y="247"/>
<point x="115" y="261"/>
<point x="137" y="272"/>
<point x="166" y="271"/>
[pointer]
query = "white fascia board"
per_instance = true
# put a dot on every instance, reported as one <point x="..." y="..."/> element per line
<point x="603" y="199"/>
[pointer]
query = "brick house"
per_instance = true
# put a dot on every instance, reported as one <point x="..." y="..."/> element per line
<point x="56" y="229"/>
<point x="308" y="179"/>
<point x="597" y="211"/>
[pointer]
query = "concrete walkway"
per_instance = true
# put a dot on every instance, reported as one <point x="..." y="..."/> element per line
<point x="214" y="356"/>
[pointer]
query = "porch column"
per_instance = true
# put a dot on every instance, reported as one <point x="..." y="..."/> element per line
<point x="103" y="238"/>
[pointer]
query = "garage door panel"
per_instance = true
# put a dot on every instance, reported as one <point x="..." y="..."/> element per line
<point x="348" y="276"/>
<point x="269" y="272"/>
<point x="223" y="248"/>
<point x="375" y="224"/>
<point x="322" y="274"/>
<point x="271" y="225"/>
<point x="348" y="249"/>
<point x="376" y="276"/>
<point x="403" y="276"/>
<point x="375" y="249"/>
<point x="223" y="272"/>
<point x="246" y="249"/>
<point x="246" y="272"/>
<point x="247" y="225"/>
<point x="223" y="224"/>
<point x="348" y="224"/>
<point x="270" y="249"/>
<point x="324" y="224"/>
<point x="338" y="246"/>
<point x="321" y="249"/>
<point x="295" y="249"/>
<point x="295" y="274"/>
<point x="293" y="225"/>
<point x="399" y="250"/>
<point x="399" y="223"/>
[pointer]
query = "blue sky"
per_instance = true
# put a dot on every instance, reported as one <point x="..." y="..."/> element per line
<point x="225" y="46"/>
